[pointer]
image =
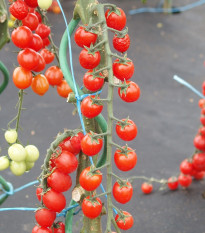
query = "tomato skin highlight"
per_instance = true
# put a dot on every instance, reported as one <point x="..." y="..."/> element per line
<point x="121" y="44"/>
<point x="91" y="210"/>
<point x="122" y="194"/>
<point x="114" y="20"/>
<point x="54" y="75"/>
<point x="64" y="89"/>
<point x="132" y="93"/>
<point x="90" y="182"/>
<point x="89" y="61"/>
<point x="22" y="78"/>
<point x="19" y="9"/>
<point x="127" y="223"/>
<point x="40" y="84"/>
<point x="123" y="71"/>
<point x="128" y="132"/>
<point x="45" y="217"/>
<point x="146" y="188"/>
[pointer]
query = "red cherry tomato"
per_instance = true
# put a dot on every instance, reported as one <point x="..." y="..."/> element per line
<point x="122" y="192"/>
<point x="38" y="229"/>
<point x="173" y="183"/>
<point x="125" y="222"/>
<point x="91" y="208"/>
<point x="130" y="93"/>
<point x="40" y="84"/>
<point x="47" y="55"/>
<point x="123" y="71"/>
<point x="89" y="61"/>
<point x="60" y="228"/>
<point x="64" y="89"/>
<point x="90" y="180"/>
<point x="199" y="161"/>
<point x="39" y="193"/>
<point x="43" y="30"/>
<point x="28" y="59"/>
<point x="126" y="132"/>
<point x="45" y="217"/>
<point x="185" y="180"/>
<point x="93" y="83"/>
<point x="199" y="142"/>
<point x="84" y="38"/>
<point x="31" y="3"/>
<point x="54" y="201"/>
<point x="146" y="188"/>
<point x="22" y="37"/>
<point x="38" y="15"/>
<point x="31" y="21"/>
<point x="46" y="42"/>
<point x="199" y="175"/>
<point x="54" y="75"/>
<point x="66" y="145"/>
<point x="75" y="142"/>
<point x="121" y="44"/>
<point x="41" y="64"/>
<point x="22" y="78"/>
<point x="115" y="19"/>
<point x="37" y="43"/>
<point x="19" y="9"/>
<point x="186" y="167"/>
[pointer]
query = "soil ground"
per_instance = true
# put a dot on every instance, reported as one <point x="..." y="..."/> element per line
<point x="167" y="116"/>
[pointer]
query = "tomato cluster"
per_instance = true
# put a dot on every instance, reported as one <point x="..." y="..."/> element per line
<point x="20" y="159"/>
<point x="33" y="37"/>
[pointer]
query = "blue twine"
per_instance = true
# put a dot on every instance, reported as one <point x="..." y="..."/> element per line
<point x="168" y="10"/>
<point x="188" y="85"/>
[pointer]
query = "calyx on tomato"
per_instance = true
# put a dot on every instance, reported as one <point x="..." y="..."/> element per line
<point x="124" y="123"/>
<point x="92" y="50"/>
<point x="122" y="216"/>
<point x="125" y="150"/>
<point x="124" y="87"/>
<point x="122" y="34"/>
<point x="115" y="10"/>
<point x="96" y="100"/>
<point x="93" y="171"/>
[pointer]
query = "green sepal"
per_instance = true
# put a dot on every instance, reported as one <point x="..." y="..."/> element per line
<point x="113" y="9"/>
<point x="122" y="34"/>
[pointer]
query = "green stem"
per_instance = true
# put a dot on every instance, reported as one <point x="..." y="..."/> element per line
<point x="117" y="177"/>
<point x="69" y="218"/>
<point x="162" y="181"/>
<point x="98" y="71"/>
<point x="99" y="195"/>
<point x="117" y="146"/>
<point x="4" y="184"/>
<point x="116" y="119"/>
<point x="98" y="168"/>
<point x="21" y="93"/>
<point x="119" y="57"/>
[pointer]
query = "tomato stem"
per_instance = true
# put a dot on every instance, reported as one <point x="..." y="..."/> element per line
<point x="118" y="120"/>
<point x="98" y="71"/>
<point x="98" y="168"/>
<point x="162" y="181"/>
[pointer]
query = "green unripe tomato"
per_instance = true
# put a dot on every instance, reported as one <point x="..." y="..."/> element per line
<point x="11" y="136"/>
<point x="29" y="165"/>
<point x="17" y="152"/>
<point x="44" y="4"/>
<point x="4" y="163"/>
<point x="17" y="168"/>
<point x="32" y="153"/>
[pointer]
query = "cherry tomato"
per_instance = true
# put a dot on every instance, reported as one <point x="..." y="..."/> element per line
<point x="126" y="132"/>
<point x="41" y="64"/>
<point x="66" y="162"/>
<point x="46" y="42"/>
<point x="88" y="60"/>
<point x="90" y="108"/>
<point x="60" y="228"/>
<point x="201" y="103"/>
<point x="75" y="142"/>
<point x="199" y="161"/>
<point x="90" y="180"/>
<point x="44" y="5"/>
<point x="64" y="89"/>
<point x="54" y="201"/>
<point x="125" y="161"/>
<point x="66" y="145"/>
<point x="121" y="44"/>
<point x="93" y="83"/>
<point x="54" y="75"/>
<point x="91" y="208"/>
<point x="199" y="142"/>
<point x="38" y="229"/>
<point x="122" y="192"/>
<point x="84" y="38"/>
<point x="38" y="15"/>
<point x="59" y="182"/>
<point x="4" y="163"/>
<point x="202" y="131"/>
<point x="47" y="55"/>
<point x="22" y="78"/>
<point x="18" y="168"/>
<point x="17" y="152"/>
<point x="186" y="167"/>
<point x="185" y="180"/>
<point x="199" y="175"/>
<point x="28" y="59"/>
<point x="45" y="217"/>
<point x="22" y="37"/>
<point x="39" y="191"/>
<point x="43" y="30"/>
<point x="31" y="21"/>
<point x="115" y="19"/>
<point x="31" y="3"/>
<point x="130" y="93"/>
<point x="19" y="9"/>
<point x="123" y="71"/>
<point x="37" y="43"/>
<point x="32" y="153"/>
<point x="125" y="222"/>
<point x="173" y="183"/>
<point x="40" y="84"/>
<point x="202" y="119"/>
<point x="146" y="188"/>
<point x="91" y="146"/>
<point x="11" y="135"/>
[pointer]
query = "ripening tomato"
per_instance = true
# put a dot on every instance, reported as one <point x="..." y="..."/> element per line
<point x="37" y="43"/>
<point x="147" y="188"/>
<point x="45" y="217"/>
<point x="123" y="71"/>
<point x="41" y="64"/>
<point x="186" y="167"/>
<point x="75" y="142"/>
<point x="18" y="168"/>
<point x="22" y="37"/>
<point x="43" y="30"/>
<point x="173" y="183"/>
<point x="199" y="142"/>
<point x="47" y="55"/>
<point x="121" y="44"/>
<point x="4" y="162"/>
<point x="66" y="145"/>
<point x="31" y="21"/>
<point x="59" y="182"/>
<point x="44" y="5"/>
<point x="199" y="161"/>
<point x="40" y="84"/>
<point x="93" y="83"/>
<point x="84" y="38"/>
<point x="122" y="192"/>
<point x="28" y="59"/>
<point x="64" y="89"/>
<point x="91" y="208"/>
<point x="89" y="60"/>
<point x="185" y="180"/>
<point x="31" y="3"/>
<point x="115" y="18"/>
<point x="90" y="108"/>
<point x="66" y="162"/>
<point x="90" y="180"/>
<point x="19" y="9"/>
<point x="54" y="75"/>
<point x="126" y="131"/>
<point x="54" y="201"/>
<point x="125" y="160"/>
<point x="22" y="78"/>
<point x="32" y="153"/>
<point x="130" y="93"/>
<point x="38" y="229"/>
<point x="60" y="228"/>
<point x="39" y="191"/>
<point x="91" y="146"/>
<point x="125" y="222"/>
